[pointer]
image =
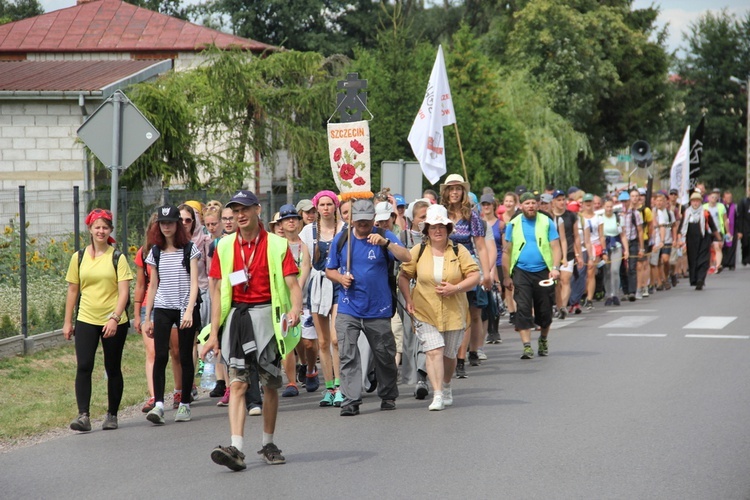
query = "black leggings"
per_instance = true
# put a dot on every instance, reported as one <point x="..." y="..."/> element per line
<point x="163" y="321"/>
<point x="87" y="341"/>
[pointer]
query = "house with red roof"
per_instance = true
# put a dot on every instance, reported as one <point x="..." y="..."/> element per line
<point x="58" y="67"/>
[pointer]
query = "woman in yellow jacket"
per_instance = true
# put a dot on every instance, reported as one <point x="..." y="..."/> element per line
<point x="443" y="273"/>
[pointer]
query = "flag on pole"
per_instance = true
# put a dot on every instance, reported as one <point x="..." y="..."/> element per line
<point x="679" y="175"/>
<point x="426" y="135"/>
<point x="696" y="154"/>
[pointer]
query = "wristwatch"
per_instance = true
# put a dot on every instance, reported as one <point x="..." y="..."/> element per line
<point x="555" y="268"/>
<point x="387" y="242"/>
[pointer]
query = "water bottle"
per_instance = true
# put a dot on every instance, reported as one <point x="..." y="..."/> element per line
<point x="208" y="378"/>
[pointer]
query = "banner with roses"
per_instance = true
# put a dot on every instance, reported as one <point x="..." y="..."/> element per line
<point x="349" y="149"/>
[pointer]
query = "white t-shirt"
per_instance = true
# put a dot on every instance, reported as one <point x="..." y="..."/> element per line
<point x="174" y="280"/>
<point x="593" y="225"/>
<point x="437" y="268"/>
<point x="664" y="220"/>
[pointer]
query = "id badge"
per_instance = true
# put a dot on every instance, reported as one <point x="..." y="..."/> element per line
<point x="238" y="278"/>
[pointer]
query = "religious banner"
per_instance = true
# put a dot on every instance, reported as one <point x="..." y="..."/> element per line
<point x="679" y="175"/>
<point x="349" y="150"/>
<point x="696" y="154"/>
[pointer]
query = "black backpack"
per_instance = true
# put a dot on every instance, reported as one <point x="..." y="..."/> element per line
<point x="115" y="261"/>
<point x="391" y="266"/>
<point x="186" y="251"/>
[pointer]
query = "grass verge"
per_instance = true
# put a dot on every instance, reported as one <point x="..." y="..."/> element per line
<point x="37" y="393"/>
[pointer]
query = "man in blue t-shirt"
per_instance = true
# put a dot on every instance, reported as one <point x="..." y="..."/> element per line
<point x="530" y="266"/>
<point x="365" y="304"/>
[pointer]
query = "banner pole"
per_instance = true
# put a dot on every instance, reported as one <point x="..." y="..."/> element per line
<point x="349" y="239"/>
<point x="461" y="152"/>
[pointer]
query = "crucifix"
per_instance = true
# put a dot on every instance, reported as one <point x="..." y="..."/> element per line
<point x="353" y="100"/>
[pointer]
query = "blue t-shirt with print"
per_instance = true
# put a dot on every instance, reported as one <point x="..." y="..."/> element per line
<point x="530" y="259"/>
<point x="369" y="296"/>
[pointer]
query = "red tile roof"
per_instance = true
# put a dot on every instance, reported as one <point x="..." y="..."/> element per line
<point x="113" y="26"/>
<point x="61" y="76"/>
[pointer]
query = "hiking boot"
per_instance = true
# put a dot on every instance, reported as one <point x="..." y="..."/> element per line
<point x="437" y="403"/>
<point x="82" y="423"/>
<point x="328" y="396"/>
<point x="290" y="391"/>
<point x="543" y="348"/>
<point x="311" y="381"/>
<point x="461" y="370"/>
<point x="156" y="416"/>
<point x="616" y="301"/>
<point x="183" y="414"/>
<point x="229" y="457"/>
<point x="148" y="405"/>
<point x="224" y="401"/>
<point x="219" y="389"/>
<point x="421" y="391"/>
<point x="272" y="455"/>
<point x="528" y="352"/>
<point x="473" y="359"/>
<point x="110" y="422"/>
<point x="388" y="404"/>
<point x="349" y="410"/>
<point x="338" y="398"/>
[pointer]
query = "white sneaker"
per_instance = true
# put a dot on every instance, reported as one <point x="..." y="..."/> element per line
<point x="447" y="396"/>
<point x="638" y="294"/>
<point x="183" y="414"/>
<point x="481" y="355"/>
<point x="255" y="411"/>
<point x="437" y="403"/>
<point x="156" y="416"/>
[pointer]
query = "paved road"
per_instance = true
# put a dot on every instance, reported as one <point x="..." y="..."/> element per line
<point x="607" y="415"/>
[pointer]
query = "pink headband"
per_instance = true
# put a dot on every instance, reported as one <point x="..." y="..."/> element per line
<point x="323" y="193"/>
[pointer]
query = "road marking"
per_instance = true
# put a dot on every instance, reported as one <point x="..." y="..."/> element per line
<point x="618" y="311"/>
<point x="636" y="335"/>
<point x="629" y="322"/>
<point x="709" y="322"/>
<point x="562" y="323"/>
<point x="698" y="336"/>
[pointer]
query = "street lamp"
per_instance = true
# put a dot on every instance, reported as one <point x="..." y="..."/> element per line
<point x="747" y="129"/>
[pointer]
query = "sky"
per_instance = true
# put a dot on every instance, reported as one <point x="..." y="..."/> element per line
<point x="678" y="13"/>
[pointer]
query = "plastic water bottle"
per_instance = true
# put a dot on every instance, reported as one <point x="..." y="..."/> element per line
<point x="208" y="379"/>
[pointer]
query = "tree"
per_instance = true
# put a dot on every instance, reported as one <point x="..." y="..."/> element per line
<point x="173" y="8"/>
<point x="718" y="47"/>
<point x="15" y="10"/>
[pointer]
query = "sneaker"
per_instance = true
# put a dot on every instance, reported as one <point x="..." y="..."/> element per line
<point x="224" y="401"/>
<point x="219" y="389"/>
<point x="81" y="423"/>
<point x="290" y="391"/>
<point x="608" y="302"/>
<point x="638" y="294"/>
<point x="193" y="394"/>
<point x="528" y="352"/>
<point x="473" y="359"/>
<point x="461" y="370"/>
<point x="512" y="318"/>
<point x="447" y="396"/>
<point x="674" y="279"/>
<point x="311" y="381"/>
<point x="543" y="347"/>
<point x="699" y="285"/>
<point x="183" y="414"/>
<point x="272" y="455"/>
<point x="148" y="405"/>
<point x="177" y="399"/>
<point x="156" y="416"/>
<point x="648" y="290"/>
<point x="328" y="396"/>
<point x="577" y="309"/>
<point x="437" y="403"/>
<point x="711" y="270"/>
<point x="589" y="305"/>
<point x="110" y="422"/>
<point x="631" y="297"/>
<point x="301" y="373"/>
<point x="229" y="457"/>
<point x="373" y="380"/>
<point x="388" y="404"/>
<point x="338" y="398"/>
<point x="481" y="355"/>
<point x="349" y="410"/>
<point x="421" y="390"/>
<point x="255" y="410"/>
<point x="616" y="300"/>
<point x="555" y="312"/>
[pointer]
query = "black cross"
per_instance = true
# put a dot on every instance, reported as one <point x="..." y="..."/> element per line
<point x="352" y="102"/>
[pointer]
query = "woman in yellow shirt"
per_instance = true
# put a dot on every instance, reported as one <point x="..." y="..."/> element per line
<point x="443" y="272"/>
<point x="101" y="291"/>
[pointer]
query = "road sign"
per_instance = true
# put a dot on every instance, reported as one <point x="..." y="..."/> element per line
<point x="136" y="132"/>
<point x="403" y="177"/>
<point x="624" y="158"/>
<point x="612" y="175"/>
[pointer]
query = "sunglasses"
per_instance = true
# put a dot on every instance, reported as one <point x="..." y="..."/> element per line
<point x="186" y="219"/>
<point x="101" y="211"/>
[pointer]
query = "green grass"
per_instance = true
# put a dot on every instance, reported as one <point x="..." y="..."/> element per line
<point x="37" y="393"/>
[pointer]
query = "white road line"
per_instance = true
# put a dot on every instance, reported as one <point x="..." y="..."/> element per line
<point x="709" y="323"/>
<point x="636" y="335"/>
<point x="629" y="322"/>
<point x="618" y="311"/>
<point x="562" y="323"/>
<point x="698" y="336"/>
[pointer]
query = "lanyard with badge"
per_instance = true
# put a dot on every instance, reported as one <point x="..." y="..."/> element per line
<point x="243" y="276"/>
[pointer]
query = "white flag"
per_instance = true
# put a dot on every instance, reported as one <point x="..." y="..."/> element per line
<point x="679" y="175"/>
<point x="426" y="135"/>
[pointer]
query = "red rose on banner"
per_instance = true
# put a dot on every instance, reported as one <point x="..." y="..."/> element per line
<point x="359" y="181"/>
<point x="337" y="154"/>
<point x="357" y="146"/>
<point x="347" y="171"/>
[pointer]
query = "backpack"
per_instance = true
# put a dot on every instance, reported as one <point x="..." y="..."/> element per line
<point x="391" y="266"/>
<point x="115" y="261"/>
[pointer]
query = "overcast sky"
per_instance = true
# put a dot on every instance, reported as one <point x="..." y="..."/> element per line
<point x="679" y="13"/>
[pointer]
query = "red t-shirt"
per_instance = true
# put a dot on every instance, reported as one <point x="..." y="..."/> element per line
<point x="259" y="289"/>
<point x="139" y="263"/>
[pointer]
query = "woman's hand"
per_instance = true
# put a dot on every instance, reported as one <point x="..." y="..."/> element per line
<point x="68" y="331"/>
<point x="147" y="327"/>
<point x="187" y="318"/>
<point x="109" y="328"/>
<point x="445" y="289"/>
<point x="410" y="308"/>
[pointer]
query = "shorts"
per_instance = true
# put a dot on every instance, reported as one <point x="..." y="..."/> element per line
<point x="143" y="315"/>
<point x="308" y="327"/>
<point x="665" y="250"/>
<point x="568" y="267"/>
<point x="646" y="252"/>
<point x="431" y="338"/>
<point x="266" y="379"/>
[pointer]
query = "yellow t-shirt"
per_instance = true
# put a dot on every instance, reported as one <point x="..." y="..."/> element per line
<point x="647" y="218"/>
<point x="97" y="285"/>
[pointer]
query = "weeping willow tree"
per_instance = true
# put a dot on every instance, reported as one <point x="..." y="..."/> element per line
<point x="552" y="146"/>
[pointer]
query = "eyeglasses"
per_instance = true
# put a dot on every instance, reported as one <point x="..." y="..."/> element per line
<point x="186" y="219"/>
<point x="227" y="219"/>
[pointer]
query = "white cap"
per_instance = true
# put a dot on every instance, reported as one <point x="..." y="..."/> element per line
<point x="383" y="211"/>
<point x="437" y="214"/>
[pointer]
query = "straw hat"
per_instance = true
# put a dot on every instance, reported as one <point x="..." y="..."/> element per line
<point x="453" y="179"/>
